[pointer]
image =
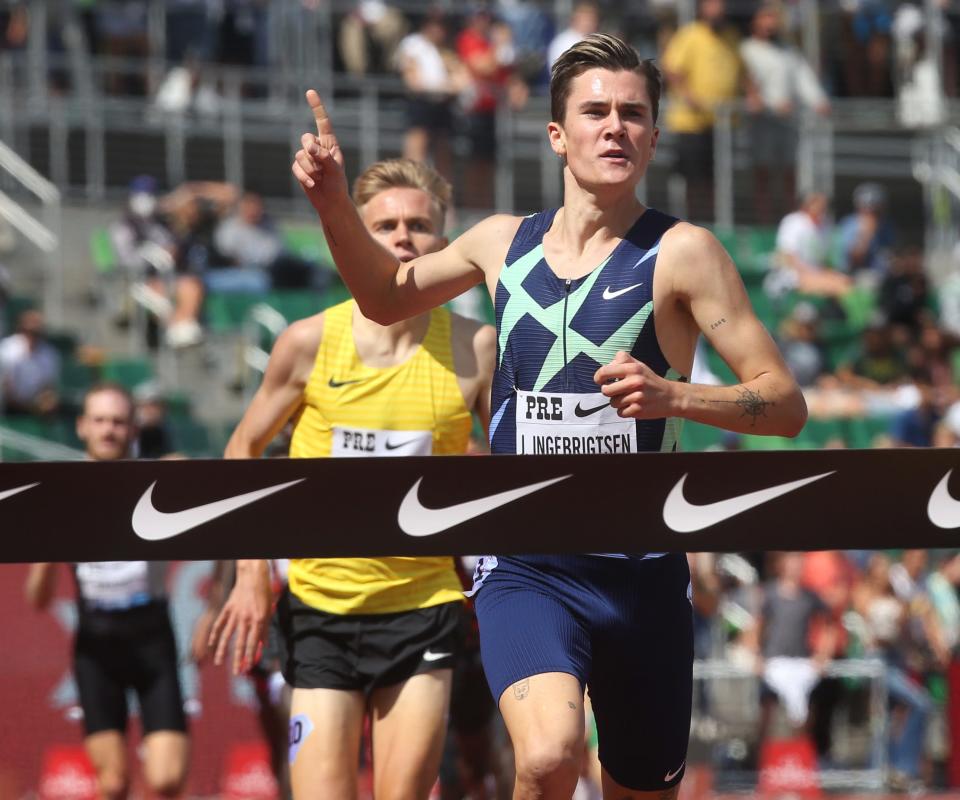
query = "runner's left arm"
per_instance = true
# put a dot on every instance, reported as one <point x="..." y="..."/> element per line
<point x="766" y="401"/>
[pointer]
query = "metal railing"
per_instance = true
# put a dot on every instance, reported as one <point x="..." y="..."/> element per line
<point x="936" y="165"/>
<point x="36" y="447"/>
<point x="732" y="693"/>
<point x="45" y="235"/>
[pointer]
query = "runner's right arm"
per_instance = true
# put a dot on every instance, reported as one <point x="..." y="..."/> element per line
<point x="385" y="290"/>
<point x="247" y="611"/>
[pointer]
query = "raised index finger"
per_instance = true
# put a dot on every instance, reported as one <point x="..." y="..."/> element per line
<point x="324" y="126"/>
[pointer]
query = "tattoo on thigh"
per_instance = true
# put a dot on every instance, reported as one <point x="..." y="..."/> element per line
<point x="572" y="704"/>
<point x="300" y="728"/>
<point x="521" y="689"/>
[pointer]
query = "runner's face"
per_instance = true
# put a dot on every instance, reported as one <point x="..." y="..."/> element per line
<point x="607" y="135"/>
<point x="406" y="222"/>
<point x="106" y="426"/>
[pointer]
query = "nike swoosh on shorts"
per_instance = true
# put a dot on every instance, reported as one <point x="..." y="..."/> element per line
<point x="11" y="492"/>
<point x="429" y="655"/>
<point x="671" y="775"/>
<point x="415" y="519"/>
<point x="154" y="526"/>
<point x="942" y="509"/>
<point x="682" y="516"/>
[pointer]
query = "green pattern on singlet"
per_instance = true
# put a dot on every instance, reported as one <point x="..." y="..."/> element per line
<point x="521" y="303"/>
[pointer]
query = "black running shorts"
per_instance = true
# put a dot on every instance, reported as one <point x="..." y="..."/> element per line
<point x="363" y="652"/>
<point x="117" y="650"/>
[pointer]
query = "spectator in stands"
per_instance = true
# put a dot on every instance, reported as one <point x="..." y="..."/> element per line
<point x="785" y="82"/>
<point x="194" y="211"/>
<point x="584" y="20"/>
<point x="866" y="235"/>
<point x="790" y="668"/>
<point x="903" y="296"/>
<point x="703" y="70"/>
<point x="942" y="586"/>
<point x="888" y="622"/>
<point x="802" y="248"/>
<point x="880" y="363"/>
<point x="122" y="33"/>
<point x="29" y="369"/>
<point x="369" y="36"/>
<point x="433" y="77"/>
<point x="920" y="80"/>
<point x="486" y="50"/>
<point x="154" y="439"/>
<point x="14" y="27"/>
<point x="251" y="243"/>
<point x="800" y="343"/>
<point x="866" y="48"/>
<point x="531" y="29"/>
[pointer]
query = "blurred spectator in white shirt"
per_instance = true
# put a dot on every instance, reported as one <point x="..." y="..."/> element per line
<point x="784" y="81"/>
<point x="433" y="76"/>
<point x="584" y="20"/>
<point x="29" y="368"/>
<point x="803" y="241"/>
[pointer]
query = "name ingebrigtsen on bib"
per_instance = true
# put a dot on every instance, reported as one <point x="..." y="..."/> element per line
<point x="597" y="444"/>
<point x="571" y="424"/>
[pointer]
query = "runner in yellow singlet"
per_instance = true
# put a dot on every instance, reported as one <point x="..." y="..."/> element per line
<point x="377" y="635"/>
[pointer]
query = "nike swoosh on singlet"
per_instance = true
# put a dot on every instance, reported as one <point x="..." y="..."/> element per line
<point x="682" y="516"/>
<point x="608" y="295"/>
<point x="942" y="509"/>
<point x="415" y="519"/>
<point x="11" y="492"/>
<point x="334" y="384"/>
<point x="586" y="412"/>
<point x="392" y="446"/>
<point x="154" y="526"/>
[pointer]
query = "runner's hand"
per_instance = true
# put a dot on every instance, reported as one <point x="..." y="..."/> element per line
<point x="245" y="615"/>
<point x="318" y="164"/>
<point x="635" y="390"/>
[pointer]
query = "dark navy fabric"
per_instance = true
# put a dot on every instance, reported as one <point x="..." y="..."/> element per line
<point x="623" y="628"/>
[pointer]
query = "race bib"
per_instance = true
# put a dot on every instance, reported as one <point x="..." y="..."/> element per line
<point x="571" y="424"/>
<point x="360" y="442"/>
<point x="114" y="585"/>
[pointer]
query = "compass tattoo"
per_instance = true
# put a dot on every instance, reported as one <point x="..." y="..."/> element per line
<point x="751" y="404"/>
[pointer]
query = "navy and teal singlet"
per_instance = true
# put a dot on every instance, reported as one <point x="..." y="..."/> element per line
<point x="553" y="335"/>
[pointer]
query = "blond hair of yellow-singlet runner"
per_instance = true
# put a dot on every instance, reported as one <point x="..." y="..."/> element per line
<point x="350" y="410"/>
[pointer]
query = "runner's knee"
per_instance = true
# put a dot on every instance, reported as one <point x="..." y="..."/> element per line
<point x="113" y="784"/>
<point x="545" y="762"/>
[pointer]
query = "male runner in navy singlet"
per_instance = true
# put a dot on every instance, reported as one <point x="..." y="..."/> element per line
<point x="585" y="366"/>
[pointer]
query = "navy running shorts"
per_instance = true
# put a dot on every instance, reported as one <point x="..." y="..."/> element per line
<point x="622" y="626"/>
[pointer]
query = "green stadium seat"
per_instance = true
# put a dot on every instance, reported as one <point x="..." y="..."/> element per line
<point x="695" y="437"/>
<point x="191" y="438"/>
<point x="102" y="253"/>
<point x="307" y="242"/>
<point x="75" y="379"/>
<point x="129" y="372"/>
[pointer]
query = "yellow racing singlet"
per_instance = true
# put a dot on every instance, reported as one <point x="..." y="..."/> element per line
<point x="352" y="410"/>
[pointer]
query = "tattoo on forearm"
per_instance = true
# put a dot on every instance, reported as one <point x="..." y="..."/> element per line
<point x="521" y="689"/>
<point x="718" y="323"/>
<point x="751" y="403"/>
<point x="330" y="236"/>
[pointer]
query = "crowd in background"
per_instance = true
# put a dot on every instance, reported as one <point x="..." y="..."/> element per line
<point x="782" y="616"/>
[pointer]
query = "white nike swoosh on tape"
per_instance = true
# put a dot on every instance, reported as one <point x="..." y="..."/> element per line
<point x="431" y="656"/>
<point x="608" y="295"/>
<point x="671" y="775"/>
<point x="11" y="492"/>
<point x="942" y="508"/>
<point x="415" y="519"/>
<point x="685" y="517"/>
<point x="154" y="526"/>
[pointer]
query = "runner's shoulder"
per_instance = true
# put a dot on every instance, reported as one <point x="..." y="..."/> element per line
<point x="489" y="239"/>
<point x="300" y="340"/>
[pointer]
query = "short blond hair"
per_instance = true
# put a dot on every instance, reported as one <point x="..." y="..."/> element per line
<point x="402" y="173"/>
